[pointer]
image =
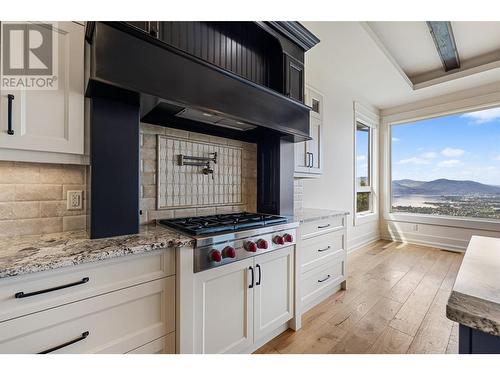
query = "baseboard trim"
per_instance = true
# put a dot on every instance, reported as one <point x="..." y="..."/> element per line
<point x="430" y="241"/>
<point x="359" y="245"/>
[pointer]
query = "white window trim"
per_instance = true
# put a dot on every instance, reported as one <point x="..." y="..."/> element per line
<point x="369" y="118"/>
<point x="458" y="107"/>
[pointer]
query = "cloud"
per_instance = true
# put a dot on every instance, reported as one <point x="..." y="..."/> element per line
<point x="452" y="152"/>
<point x="414" y="161"/>
<point x="482" y="117"/>
<point x="428" y="155"/>
<point x="394" y="139"/>
<point x="449" y="163"/>
<point x="361" y="157"/>
<point x="497" y="158"/>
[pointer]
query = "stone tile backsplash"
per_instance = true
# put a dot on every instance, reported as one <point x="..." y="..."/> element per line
<point x="298" y="194"/>
<point x="177" y="191"/>
<point x="33" y="198"/>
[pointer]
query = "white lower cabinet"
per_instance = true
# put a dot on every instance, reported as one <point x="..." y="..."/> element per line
<point x="126" y="305"/>
<point x="273" y="296"/>
<point x="239" y="304"/>
<point x="321" y="261"/>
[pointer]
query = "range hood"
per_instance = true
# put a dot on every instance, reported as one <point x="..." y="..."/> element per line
<point x="177" y="89"/>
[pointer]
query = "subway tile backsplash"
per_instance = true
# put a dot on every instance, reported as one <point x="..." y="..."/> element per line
<point x="33" y="198"/>
<point x="178" y="191"/>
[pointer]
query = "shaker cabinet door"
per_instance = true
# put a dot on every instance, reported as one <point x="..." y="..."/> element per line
<point x="223" y="316"/>
<point x="49" y="120"/>
<point x="274" y="290"/>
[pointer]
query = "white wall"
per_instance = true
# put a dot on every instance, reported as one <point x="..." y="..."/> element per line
<point x="442" y="233"/>
<point x="335" y="188"/>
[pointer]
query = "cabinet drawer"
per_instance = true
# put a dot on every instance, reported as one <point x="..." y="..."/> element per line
<point x="319" y="280"/>
<point x="321" y="249"/>
<point x="103" y="277"/>
<point x="116" y="322"/>
<point x="321" y="226"/>
<point x="163" y="345"/>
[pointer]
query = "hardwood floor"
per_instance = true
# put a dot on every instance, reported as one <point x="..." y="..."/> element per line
<point x="395" y="302"/>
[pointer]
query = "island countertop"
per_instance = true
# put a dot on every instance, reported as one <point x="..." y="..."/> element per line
<point x="27" y="254"/>
<point x="475" y="297"/>
<point x="312" y="214"/>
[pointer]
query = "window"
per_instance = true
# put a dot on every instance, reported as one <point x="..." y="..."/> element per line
<point x="447" y="166"/>
<point x="364" y="193"/>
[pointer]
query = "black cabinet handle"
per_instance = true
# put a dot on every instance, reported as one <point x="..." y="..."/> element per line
<point x="323" y="226"/>
<point x="325" y="249"/>
<point x="253" y="278"/>
<point x="260" y="275"/>
<point x="24" y="295"/>
<point x="83" y="336"/>
<point x="323" y="280"/>
<point x="10" y="98"/>
<point x="312" y="159"/>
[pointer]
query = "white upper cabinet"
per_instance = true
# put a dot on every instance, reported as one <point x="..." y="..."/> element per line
<point x="48" y="121"/>
<point x="308" y="155"/>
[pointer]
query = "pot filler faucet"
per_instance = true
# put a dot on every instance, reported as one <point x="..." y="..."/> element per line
<point x="199" y="161"/>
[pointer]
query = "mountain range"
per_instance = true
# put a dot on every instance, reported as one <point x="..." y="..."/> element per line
<point x="442" y="186"/>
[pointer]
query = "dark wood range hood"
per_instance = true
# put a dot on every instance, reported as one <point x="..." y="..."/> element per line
<point x="240" y="80"/>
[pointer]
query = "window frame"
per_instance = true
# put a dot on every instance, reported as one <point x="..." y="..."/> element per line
<point x="368" y="118"/>
<point x="388" y="122"/>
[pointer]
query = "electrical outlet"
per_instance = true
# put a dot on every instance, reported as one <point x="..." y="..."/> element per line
<point x="75" y="200"/>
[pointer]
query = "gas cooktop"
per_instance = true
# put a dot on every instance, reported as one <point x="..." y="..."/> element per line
<point x="202" y="225"/>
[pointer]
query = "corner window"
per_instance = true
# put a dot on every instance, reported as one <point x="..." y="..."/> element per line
<point x="364" y="157"/>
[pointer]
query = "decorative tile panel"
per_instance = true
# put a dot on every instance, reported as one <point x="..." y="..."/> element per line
<point x="182" y="186"/>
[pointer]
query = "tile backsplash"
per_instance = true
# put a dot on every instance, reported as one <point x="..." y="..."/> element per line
<point x="298" y="194"/>
<point x="177" y="191"/>
<point x="186" y="186"/>
<point x="33" y="198"/>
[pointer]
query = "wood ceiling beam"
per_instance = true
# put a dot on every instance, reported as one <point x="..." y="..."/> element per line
<point x="442" y="34"/>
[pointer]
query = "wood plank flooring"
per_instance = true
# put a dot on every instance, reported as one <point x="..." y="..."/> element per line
<point x="395" y="302"/>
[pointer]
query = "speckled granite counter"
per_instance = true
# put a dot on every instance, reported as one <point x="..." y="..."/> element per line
<point x="475" y="298"/>
<point x="311" y="214"/>
<point x="28" y="254"/>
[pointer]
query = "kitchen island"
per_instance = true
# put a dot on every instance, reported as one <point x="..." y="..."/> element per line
<point x="475" y="299"/>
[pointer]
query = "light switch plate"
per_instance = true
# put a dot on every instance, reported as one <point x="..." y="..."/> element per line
<point x="74" y="200"/>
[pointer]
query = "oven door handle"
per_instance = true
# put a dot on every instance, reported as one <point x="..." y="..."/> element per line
<point x="253" y="277"/>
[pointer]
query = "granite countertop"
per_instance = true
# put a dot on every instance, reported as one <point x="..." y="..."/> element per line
<point x="28" y="254"/>
<point x="311" y="214"/>
<point x="475" y="297"/>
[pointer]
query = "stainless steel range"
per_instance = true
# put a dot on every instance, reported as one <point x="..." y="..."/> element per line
<point x="228" y="238"/>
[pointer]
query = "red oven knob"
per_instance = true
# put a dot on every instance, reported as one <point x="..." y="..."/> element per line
<point x="215" y="256"/>
<point x="250" y="246"/>
<point x="278" y="240"/>
<point x="262" y="244"/>
<point x="229" y="252"/>
<point x="288" y="237"/>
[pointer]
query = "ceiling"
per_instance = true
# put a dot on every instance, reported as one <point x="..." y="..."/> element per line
<point x="394" y="63"/>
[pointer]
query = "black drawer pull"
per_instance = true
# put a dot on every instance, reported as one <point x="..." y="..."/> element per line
<point x="83" y="336"/>
<point x="10" y="98"/>
<point x="24" y="295"/>
<point x="325" y="249"/>
<point x="323" y="226"/>
<point x="323" y="280"/>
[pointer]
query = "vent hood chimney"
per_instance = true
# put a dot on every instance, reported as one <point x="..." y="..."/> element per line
<point x="177" y="89"/>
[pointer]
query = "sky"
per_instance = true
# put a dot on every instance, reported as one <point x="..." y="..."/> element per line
<point x="459" y="147"/>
